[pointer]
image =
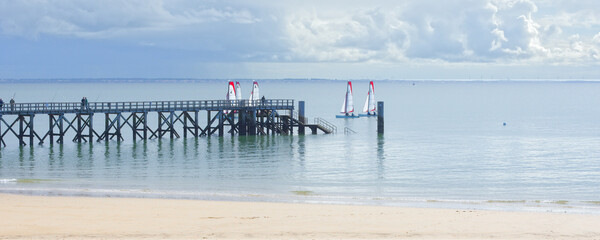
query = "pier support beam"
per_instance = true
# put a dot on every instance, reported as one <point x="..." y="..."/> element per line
<point x="252" y="123"/>
<point x="145" y="125"/>
<point x="171" y="125"/>
<point x="169" y="121"/>
<point x="56" y="122"/>
<point x="187" y="121"/>
<point x="221" y="123"/>
<point x="140" y="125"/>
<point x="26" y="129"/>
<point x="185" y="124"/>
<point x="196" y="124"/>
<point x="208" y="129"/>
<point x="242" y="126"/>
<point x="110" y="124"/>
<point x="2" y="143"/>
<point x="84" y="120"/>
<point x="91" y="127"/>
<point x="380" y="117"/>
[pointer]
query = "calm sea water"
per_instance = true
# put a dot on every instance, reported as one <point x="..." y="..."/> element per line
<point x="445" y="145"/>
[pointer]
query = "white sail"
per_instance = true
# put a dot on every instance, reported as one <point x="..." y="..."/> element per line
<point x="370" y="101"/>
<point x="254" y="95"/>
<point x="344" y="105"/>
<point x="231" y="91"/>
<point x="348" y="106"/>
<point x="366" y="107"/>
<point x="230" y="94"/>
<point x="238" y="91"/>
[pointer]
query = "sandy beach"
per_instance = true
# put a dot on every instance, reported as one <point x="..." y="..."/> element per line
<point x="40" y="217"/>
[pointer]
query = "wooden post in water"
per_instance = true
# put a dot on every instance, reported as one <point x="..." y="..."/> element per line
<point x="21" y="131"/>
<point x="301" y="117"/>
<point x="242" y="121"/>
<point x="91" y="127"/>
<point x="380" y="117"/>
<point x="251" y="122"/>
<point x="79" y="129"/>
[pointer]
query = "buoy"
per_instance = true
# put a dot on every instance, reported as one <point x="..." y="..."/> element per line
<point x="503" y="124"/>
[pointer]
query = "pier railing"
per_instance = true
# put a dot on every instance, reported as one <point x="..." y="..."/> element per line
<point x="326" y="125"/>
<point x="156" y="106"/>
<point x="348" y="130"/>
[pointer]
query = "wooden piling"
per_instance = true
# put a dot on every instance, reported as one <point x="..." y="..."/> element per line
<point x="380" y="117"/>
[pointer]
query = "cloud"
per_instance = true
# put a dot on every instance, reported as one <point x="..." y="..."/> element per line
<point x="452" y="31"/>
<point x="357" y="37"/>
<point x="470" y="31"/>
<point x="109" y="19"/>
<point x="596" y="38"/>
<point x="461" y="31"/>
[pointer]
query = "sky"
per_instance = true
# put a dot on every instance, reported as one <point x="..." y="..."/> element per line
<point x="336" y="39"/>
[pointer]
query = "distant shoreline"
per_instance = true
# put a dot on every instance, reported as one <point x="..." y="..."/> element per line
<point x="196" y="80"/>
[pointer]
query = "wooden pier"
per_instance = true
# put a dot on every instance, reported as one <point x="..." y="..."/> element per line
<point x="174" y="118"/>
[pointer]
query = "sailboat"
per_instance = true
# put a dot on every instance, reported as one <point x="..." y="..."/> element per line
<point x="370" y="107"/>
<point x="230" y="95"/>
<point x="254" y="95"/>
<point x="348" y="106"/>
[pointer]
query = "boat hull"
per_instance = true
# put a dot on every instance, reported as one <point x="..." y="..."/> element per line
<point x="367" y="115"/>
<point x="344" y="116"/>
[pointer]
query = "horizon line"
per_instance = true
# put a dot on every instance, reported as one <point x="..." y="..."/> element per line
<point x="167" y="79"/>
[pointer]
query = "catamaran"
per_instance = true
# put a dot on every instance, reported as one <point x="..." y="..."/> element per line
<point x="254" y="95"/>
<point x="370" y="107"/>
<point x="348" y="106"/>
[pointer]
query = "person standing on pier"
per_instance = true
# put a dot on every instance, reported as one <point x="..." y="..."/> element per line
<point x="82" y="103"/>
<point x="263" y="100"/>
<point x="12" y="104"/>
<point x="1" y="104"/>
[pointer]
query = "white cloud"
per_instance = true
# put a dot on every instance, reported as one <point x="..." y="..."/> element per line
<point x="357" y="37"/>
<point x="596" y="38"/>
<point x="471" y="31"/>
<point x="108" y="19"/>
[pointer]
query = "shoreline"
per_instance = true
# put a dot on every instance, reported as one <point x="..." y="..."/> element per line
<point x="505" y="205"/>
<point x="51" y="217"/>
<point x="300" y="197"/>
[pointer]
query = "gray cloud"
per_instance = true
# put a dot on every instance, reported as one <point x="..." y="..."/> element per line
<point x="334" y="31"/>
<point x="111" y="18"/>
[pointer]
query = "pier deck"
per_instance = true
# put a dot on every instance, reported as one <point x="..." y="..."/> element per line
<point x="241" y="117"/>
<point x="148" y="106"/>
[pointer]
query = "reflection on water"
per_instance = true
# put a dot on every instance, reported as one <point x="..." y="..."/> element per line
<point x="339" y="166"/>
<point x="380" y="156"/>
